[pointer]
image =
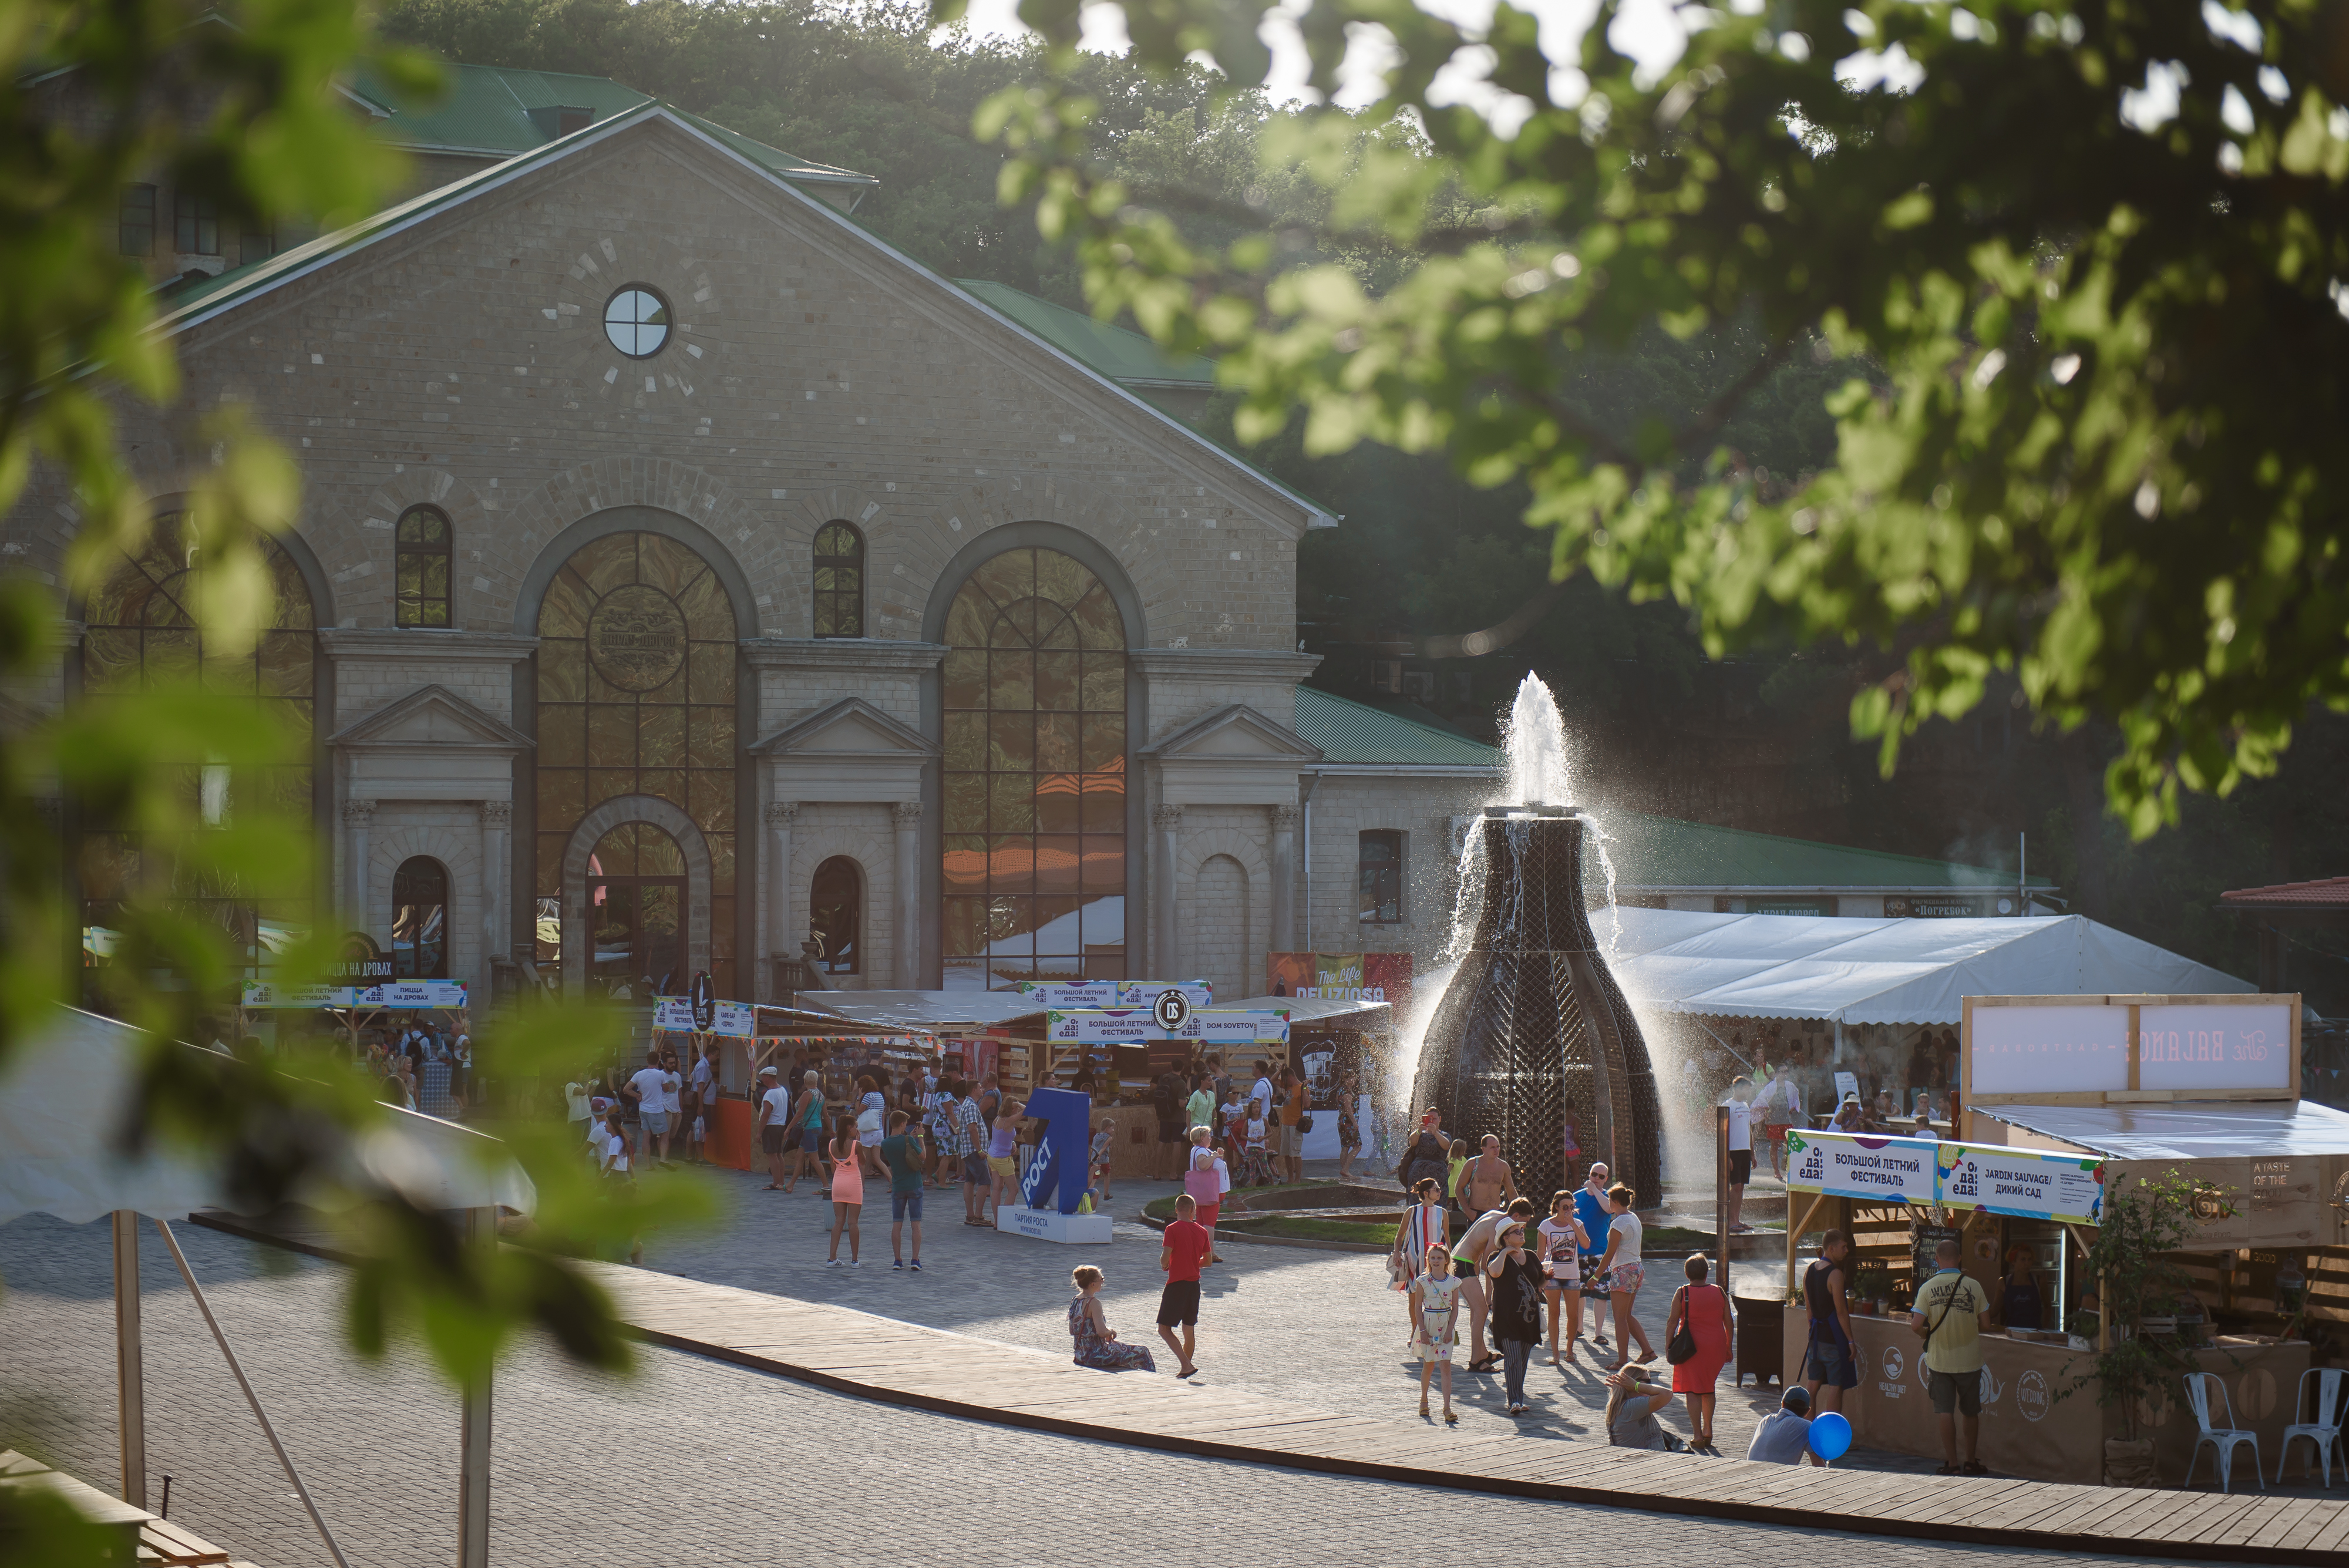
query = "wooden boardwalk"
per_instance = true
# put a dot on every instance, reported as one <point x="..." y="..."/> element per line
<point x="869" y="1357"/>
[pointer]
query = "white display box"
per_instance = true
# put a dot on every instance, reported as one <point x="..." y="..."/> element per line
<point x="1051" y="1225"/>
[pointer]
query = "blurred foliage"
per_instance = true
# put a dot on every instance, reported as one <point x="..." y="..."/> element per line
<point x="2097" y="452"/>
<point x="235" y="101"/>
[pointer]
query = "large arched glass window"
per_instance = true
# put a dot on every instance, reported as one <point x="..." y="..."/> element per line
<point x="421" y="562"/>
<point x="836" y="915"/>
<point x="839" y="581"/>
<point x="1035" y="782"/>
<point x="635" y="696"/>
<point x="140" y="635"/>
<point x="419" y="920"/>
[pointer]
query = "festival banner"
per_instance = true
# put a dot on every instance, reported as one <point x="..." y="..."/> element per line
<point x="1139" y="1026"/>
<point x="420" y="995"/>
<point x="735" y="1020"/>
<point x="1847" y="1165"/>
<point x="1053" y="997"/>
<point x="1144" y="992"/>
<point x="2024" y="1183"/>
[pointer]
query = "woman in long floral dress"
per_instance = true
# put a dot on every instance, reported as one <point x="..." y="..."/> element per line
<point x="1097" y="1342"/>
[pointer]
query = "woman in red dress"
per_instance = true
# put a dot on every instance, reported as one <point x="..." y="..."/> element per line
<point x="1705" y="1309"/>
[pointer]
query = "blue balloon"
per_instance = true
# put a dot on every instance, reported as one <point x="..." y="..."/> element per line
<point x="1830" y="1436"/>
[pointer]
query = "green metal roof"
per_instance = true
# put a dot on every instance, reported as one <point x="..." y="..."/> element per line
<point x="1662" y="852"/>
<point x="487" y="111"/>
<point x="1353" y="734"/>
<point x="1126" y="358"/>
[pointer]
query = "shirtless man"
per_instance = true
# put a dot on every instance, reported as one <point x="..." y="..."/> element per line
<point x="1468" y="1254"/>
<point x="1490" y="1183"/>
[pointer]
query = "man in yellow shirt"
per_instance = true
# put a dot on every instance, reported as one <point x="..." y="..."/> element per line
<point x="1948" y="1314"/>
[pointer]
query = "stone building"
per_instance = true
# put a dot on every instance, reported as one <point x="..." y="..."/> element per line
<point x="686" y="580"/>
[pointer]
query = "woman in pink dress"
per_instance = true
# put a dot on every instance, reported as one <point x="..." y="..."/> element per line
<point x="1704" y="1308"/>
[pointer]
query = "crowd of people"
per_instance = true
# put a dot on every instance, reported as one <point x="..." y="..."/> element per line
<point x="1474" y="1257"/>
<point x="425" y="1064"/>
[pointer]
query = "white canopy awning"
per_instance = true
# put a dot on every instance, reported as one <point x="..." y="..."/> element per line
<point x="919" y="1011"/>
<point x="1883" y="972"/>
<point x="69" y="1086"/>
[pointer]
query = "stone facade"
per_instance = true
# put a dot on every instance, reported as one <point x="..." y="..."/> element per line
<point x="457" y="359"/>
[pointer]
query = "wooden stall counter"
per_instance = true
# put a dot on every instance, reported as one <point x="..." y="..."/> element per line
<point x="2030" y="1426"/>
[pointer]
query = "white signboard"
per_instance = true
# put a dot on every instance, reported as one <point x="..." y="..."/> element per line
<point x="1137" y="1026"/>
<point x="1846" y="1164"/>
<point x="414" y="994"/>
<point x="1052" y="998"/>
<point x="2046" y="1050"/>
<point x="2021" y="1182"/>
<point x="1143" y="993"/>
<point x="2211" y="1046"/>
<point x="736" y="1020"/>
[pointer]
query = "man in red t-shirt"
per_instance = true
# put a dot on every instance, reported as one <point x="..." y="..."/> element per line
<point x="1185" y="1250"/>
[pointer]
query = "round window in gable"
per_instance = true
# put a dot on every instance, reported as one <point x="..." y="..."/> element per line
<point x="637" y="321"/>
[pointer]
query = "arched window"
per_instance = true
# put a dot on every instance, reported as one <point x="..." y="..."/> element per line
<point x="836" y="915"/>
<point x="635" y="696"/>
<point x="1035" y="784"/>
<point x="140" y="636"/>
<point x="422" y="569"/>
<point x="635" y="906"/>
<point x="419" y="920"/>
<point x="839" y="581"/>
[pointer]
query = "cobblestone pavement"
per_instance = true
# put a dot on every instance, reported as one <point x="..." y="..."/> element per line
<point x="1320" y="1328"/>
<point x="695" y="1461"/>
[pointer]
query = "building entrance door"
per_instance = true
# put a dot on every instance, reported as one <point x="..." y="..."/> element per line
<point x="638" y="922"/>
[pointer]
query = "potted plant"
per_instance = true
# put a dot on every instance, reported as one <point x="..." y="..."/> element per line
<point x="2139" y="1288"/>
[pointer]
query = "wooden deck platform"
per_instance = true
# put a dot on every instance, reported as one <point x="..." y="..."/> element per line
<point x="869" y="1357"/>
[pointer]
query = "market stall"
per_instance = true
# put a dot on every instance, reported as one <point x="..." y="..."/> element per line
<point x="1813" y="997"/>
<point x="2072" y="1104"/>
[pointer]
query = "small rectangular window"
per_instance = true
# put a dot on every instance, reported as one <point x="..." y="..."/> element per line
<point x="137" y="219"/>
<point x="1379" y="876"/>
<point x="254" y="246"/>
<point x="197" y="225"/>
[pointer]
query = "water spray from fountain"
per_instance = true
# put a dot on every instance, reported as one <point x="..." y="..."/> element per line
<point x="1531" y="1039"/>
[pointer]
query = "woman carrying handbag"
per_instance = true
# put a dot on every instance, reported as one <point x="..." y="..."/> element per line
<point x="1698" y="1335"/>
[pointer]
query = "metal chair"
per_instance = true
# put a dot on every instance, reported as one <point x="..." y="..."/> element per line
<point x="2325" y="1431"/>
<point x="2224" y="1439"/>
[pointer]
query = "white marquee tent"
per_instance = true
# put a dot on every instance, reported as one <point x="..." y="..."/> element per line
<point x="69" y="1086"/>
<point x="1881" y="972"/>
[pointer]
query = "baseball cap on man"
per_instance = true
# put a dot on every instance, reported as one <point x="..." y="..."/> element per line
<point x="1797" y="1399"/>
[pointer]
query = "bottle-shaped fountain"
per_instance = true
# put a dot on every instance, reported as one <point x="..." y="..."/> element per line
<point x="1533" y="1041"/>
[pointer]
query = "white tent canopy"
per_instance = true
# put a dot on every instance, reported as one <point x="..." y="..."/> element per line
<point x="69" y="1086"/>
<point x="1883" y="972"/>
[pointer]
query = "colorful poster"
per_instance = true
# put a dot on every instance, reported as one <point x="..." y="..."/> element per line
<point x="1847" y="1165"/>
<point x="2022" y="1182"/>
<point x="1341" y="977"/>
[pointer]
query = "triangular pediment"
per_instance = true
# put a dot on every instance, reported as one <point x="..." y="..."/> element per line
<point x="1234" y="733"/>
<point x="851" y="727"/>
<point x="430" y="716"/>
